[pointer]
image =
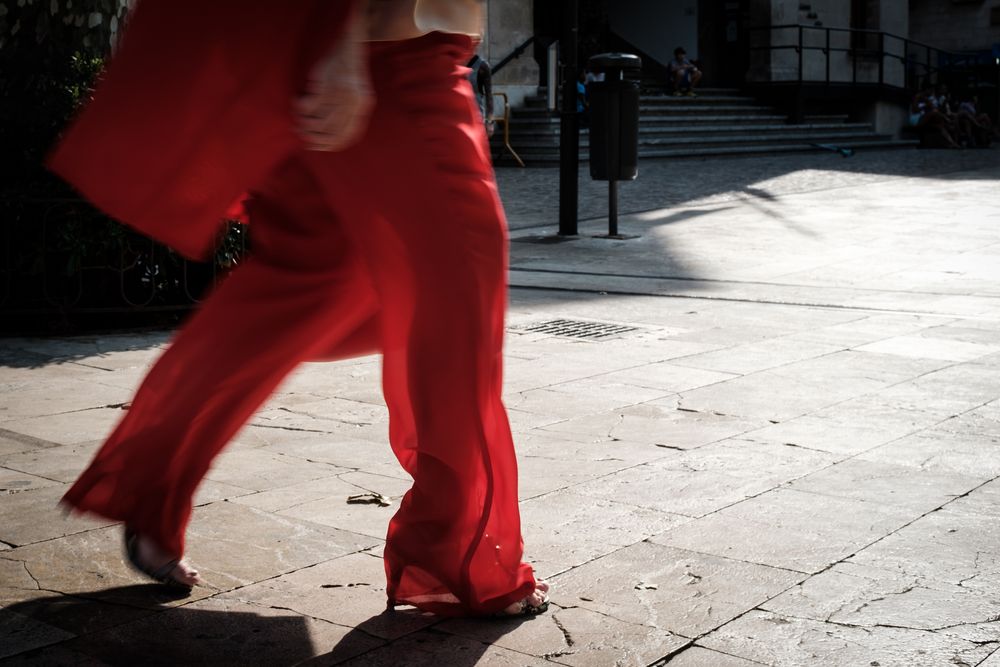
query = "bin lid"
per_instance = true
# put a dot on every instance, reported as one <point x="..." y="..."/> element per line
<point x="607" y="61"/>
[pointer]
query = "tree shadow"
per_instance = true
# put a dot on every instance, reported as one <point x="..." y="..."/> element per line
<point x="90" y="350"/>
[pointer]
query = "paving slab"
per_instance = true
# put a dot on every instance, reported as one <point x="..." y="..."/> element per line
<point x="681" y="591"/>
<point x="792" y="456"/>
<point x="703" y="480"/>
<point x="789" y="529"/>
<point x="348" y="591"/>
<point x="574" y="636"/>
<point x="774" y="639"/>
<point x="598" y="527"/>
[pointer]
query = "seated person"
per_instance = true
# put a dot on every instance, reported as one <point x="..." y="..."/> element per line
<point x="683" y="74"/>
<point x="933" y="127"/>
<point x="980" y="124"/>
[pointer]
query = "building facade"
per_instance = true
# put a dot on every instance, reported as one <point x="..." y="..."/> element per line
<point x="862" y="44"/>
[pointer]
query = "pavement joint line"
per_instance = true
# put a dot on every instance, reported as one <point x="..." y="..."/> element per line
<point x="803" y="304"/>
<point x="27" y="439"/>
<point x="721" y="281"/>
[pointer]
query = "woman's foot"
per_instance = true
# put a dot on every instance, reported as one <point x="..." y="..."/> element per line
<point x="155" y="563"/>
<point x="536" y="603"/>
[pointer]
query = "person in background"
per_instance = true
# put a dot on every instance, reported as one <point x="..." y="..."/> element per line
<point x="481" y="78"/>
<point x="932" y="126"/>
<point x="582" y="101"/>
<point x="684" y="74"/>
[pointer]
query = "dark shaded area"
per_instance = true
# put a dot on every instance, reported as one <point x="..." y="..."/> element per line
<point x="132" y="625"/>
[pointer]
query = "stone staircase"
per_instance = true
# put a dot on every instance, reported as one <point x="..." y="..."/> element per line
<point x="719" y="122"/>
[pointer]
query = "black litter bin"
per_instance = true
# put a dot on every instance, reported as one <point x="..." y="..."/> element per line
<point x="614" y="118"/>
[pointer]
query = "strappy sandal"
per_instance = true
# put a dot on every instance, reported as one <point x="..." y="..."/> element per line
<point x="161" y="574"/>
<point x="525" y="609"/>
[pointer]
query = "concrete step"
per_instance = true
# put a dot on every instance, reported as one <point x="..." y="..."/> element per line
<point x="692" y="108"/>
<point x="647" y="144"/>
<point x="527" y="135"/>
<point x="676" y="121"/>
<point x="552" y="158"/>
<point x="708" y="96"/>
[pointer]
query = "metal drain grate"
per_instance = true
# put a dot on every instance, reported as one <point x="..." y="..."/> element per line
<point x="578" y="329"/>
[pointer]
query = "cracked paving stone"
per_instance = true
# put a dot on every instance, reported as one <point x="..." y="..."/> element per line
<point x="34" y="516"/>
<point x="952" y="546"/>
<point x="356" y="454"/>
<point x="232" y="545"/>
<point x="348" y="591"/>
<point x="71" y="428"/>
<point x="788" y="529"/>
<point x="693" y="592"/>
<point x="62" y="464"/>
<point x="58" y="396"/>
<point x="992" y="661"/>
<point x="429" y="648"/>
<point x="260" y="470"/>
<point x="660" y="422"/>
<point x="774" y="639"/>
<point x="826" y="435"/>
<point x="573" y="636"/>
<point x="90" y="564"/>
<point x="917" y="489"/>
<point x="703" y="480"/>
<point x="549" y="463"/>
<point x="863" y="596"/>
<point x="696" y="656"/>
<point x="229" y="631"/>
<point x="942" y="451"/>
<point x="564" y="529"/>
<point x="368" y="519"/>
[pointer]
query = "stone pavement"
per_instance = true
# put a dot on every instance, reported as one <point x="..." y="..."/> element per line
<point x="787" y="454"/>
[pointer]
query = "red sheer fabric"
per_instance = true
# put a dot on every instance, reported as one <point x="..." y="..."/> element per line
<point x="397" y="244"/>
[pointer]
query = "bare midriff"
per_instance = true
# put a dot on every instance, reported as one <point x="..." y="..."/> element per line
<point x="391" y="20"/>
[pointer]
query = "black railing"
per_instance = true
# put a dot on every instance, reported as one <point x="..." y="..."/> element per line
<point x="516" y="53"/>
<point x="869" y="57"/>
<point x="60" y="257"/>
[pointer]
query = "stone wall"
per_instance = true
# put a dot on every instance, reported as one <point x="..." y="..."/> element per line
<point x="508" y="24"/>
<point x="954" y="26"/>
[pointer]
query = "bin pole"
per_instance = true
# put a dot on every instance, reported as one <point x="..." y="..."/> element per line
<point x="569" y="124"/>
<point x="613" y="115"/>
<point x="612" y="208"/>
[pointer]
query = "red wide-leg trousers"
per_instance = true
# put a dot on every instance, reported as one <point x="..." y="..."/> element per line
<point x="397" y="245"/>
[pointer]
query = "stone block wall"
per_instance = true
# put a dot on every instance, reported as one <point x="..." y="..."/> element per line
<point x="955" y="25"/>
<point x="508" y="24"/>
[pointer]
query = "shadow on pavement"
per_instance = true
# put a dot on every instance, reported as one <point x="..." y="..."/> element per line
<point x="88" y="629"/>
<point x="93" y="350"/>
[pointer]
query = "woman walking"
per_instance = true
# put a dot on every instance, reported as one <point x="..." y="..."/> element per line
<point x="377" y="227"/>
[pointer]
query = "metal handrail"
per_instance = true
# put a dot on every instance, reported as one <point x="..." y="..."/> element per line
<point x="933" y="63"/>
<point x="516" y="53"/>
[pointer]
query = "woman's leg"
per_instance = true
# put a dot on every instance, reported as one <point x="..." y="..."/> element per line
<point x="304" y="293"/>
<point x="436" y="243"/>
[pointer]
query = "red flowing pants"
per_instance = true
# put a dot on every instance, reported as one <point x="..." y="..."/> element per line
<point x="397" y="245"/>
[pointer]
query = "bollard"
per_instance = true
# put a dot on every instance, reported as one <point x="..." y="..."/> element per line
<point x="614" y="126"/>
